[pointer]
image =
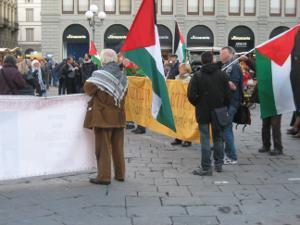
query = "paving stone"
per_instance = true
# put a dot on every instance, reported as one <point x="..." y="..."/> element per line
<point x="214" y="210"/>
<point x="105" y="211"/>
<point x="152" y="221"/>
<point x="143" y="201"/>
<point x="195" y="220"/>
<point x="176" y="191"/>
<point x="163" y="211"/>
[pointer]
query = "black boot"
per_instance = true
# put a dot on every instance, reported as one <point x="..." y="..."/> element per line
<point x="200" y="172"/>
<point x="263" y="150"/>
<point x="176" y="142"/>
<point x="276" y="152"/>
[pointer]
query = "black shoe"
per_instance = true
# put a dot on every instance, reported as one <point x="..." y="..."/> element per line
<point x="200" y="172"/>
<point x="263" y="150"/>
<point x="186" y="144"/>
<point x="138" y="131"/>
<point x="219" y="169"/>
<point x="129" y="126"/>
<point x="95" y="181"/>
<point x="276" y="152"/>
<point x="176" y="142"/>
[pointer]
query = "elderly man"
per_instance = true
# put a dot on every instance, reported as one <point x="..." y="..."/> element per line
<point x="106" y="115"/>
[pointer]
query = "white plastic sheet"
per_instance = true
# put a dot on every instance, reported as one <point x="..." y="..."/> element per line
<point x="44" y="136"/>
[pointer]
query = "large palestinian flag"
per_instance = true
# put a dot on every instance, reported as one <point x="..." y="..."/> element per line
<point x="274" y="66"/>
<point x="143" y="48"/>
<point x="94" y="54"/>
<point x="179" y="45"/>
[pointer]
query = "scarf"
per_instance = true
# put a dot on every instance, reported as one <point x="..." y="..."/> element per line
<point x="111" y="80"/>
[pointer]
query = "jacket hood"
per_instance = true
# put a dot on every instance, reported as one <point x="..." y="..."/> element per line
<point x="209" y="68"/>
<point x="114" y="69"/>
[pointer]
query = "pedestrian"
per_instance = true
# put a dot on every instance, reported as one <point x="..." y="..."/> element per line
<point x="57" y="71"/>
<point x="235" y="75"/>
<point x="106" y="115"/>
<point x="69" y="73"/>
<point x="207" y="91"/>
<point x="25" y="70"/>
<point x="11" y="81"/>
<point x="174" y="67"/>
<point x="40" y="77"/>
<point x="87" y="68"/>
<point x="184" y="76"/>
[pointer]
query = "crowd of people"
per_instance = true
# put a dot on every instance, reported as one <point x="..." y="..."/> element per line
<point x="216" y="89"/>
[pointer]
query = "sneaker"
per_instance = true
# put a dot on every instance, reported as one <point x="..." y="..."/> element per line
<point x="227" y="161"/>
<point x="233" y="162"/>
<point x="200" y="172"/>
<point x="230" y="162"/>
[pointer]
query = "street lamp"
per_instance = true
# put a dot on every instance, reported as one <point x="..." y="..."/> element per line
<point x="91" y="15"/>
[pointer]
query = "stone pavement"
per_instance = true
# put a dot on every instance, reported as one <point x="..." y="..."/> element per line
<point x="160" y="189"/>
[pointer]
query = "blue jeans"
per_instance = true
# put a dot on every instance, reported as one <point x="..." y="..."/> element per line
<point x="228" y="137"/>
<point x="206" y="149"/>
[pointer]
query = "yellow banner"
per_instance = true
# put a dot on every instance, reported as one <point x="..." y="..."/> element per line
<point x="138" y="109"/>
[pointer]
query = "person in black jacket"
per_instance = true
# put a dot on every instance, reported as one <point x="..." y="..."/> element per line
<point x="208" y="90"/>
<point x="174" y="70"/>
<point x="69" y="72"/>
<point x="87" y="68"/>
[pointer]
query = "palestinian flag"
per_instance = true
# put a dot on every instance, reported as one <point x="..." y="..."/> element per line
<point x="94" y="54"/>
<point x="179" y="45"/>
<point x="143" y="48"/>
<point x="274" y="66"/>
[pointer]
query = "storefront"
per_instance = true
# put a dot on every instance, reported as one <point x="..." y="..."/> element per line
<point x="241" y="38"/>
<point x="166" y="40"/>
<point x="115" y="36"/>
<point x="75" y="41"/>
<point x="200" y="36"/>
<point x="278" y="30"/>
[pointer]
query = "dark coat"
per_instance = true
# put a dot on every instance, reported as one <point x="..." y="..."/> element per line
<point x="295" y="73"/>
<point x="12" y="82"/>
<point x="86" y="70"/>
<point x="208" y="90"/>
<point x="174" y="71"/>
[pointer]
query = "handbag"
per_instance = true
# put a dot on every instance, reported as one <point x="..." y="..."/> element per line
<point x="242" y="116"/>
<point x="220" y="117"/>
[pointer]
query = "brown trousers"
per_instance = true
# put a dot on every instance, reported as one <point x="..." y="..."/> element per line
<point x="110" y="143"/>
<point x="273" y="123"/>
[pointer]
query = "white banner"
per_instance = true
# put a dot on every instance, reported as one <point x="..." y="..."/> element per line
<point x="44" y="136"/>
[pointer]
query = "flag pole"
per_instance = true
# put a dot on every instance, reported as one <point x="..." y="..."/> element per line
<point x="155" y="12"/>
<point x="260" y="45"/>
<point x="237" y="59"/>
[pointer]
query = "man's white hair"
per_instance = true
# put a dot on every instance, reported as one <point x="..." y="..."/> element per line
<point x="108" y="56"/>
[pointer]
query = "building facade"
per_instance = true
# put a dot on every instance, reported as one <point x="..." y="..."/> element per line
<point x="29" y="18"/>
<point x="8" y="24"/>
<point x="242" y="24"/>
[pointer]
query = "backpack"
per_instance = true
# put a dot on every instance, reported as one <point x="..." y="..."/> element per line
<point x="242" y="116"/>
